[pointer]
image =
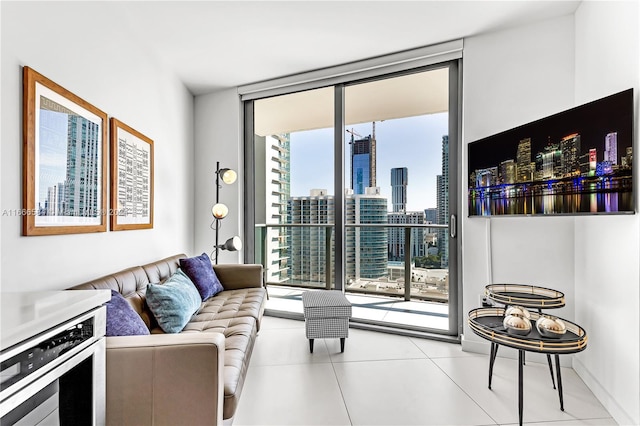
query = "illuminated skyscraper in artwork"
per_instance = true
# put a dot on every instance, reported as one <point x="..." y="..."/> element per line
<point x="570" y="160"/>
<point x="523" y="160"/>
<point x="611" y="148"/>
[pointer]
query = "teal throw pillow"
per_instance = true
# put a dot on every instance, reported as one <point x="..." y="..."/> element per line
<point x="173" y="302"/>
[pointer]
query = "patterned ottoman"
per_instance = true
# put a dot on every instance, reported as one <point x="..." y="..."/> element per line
<point x="326" y="316"/>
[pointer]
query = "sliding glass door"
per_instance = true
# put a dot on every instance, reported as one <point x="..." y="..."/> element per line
<point x="397" y="198"/>
<point x="354" y="188"/>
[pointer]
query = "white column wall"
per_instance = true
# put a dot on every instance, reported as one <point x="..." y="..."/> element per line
<point x="510" y="78"/>
<point x="217" y="138"/>
<point x="607" y="249"/>
<point x="100" y="61"/>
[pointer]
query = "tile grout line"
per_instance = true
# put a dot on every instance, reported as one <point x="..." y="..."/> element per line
<point x="463" y="391"/>
<point x="450" y="378"/>
<point x="344" y="401"/>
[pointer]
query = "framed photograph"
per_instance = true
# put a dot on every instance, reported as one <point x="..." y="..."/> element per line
<point x="575" y="162"/>
<point x="131" y="178"/>
<point x="64" y="163"/>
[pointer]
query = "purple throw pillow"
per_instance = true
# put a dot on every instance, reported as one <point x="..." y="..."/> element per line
<point x="122" y="320"/>
<point x="200" y="271"/>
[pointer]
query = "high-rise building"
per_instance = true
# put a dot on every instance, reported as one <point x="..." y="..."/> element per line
<point x="272" y="165"/>
<point x="551" y="160"/>
<point x="627" y="160"/>
<point x="363" y="162"/>
<point x="431" y="215"/>
<point x="523" y="160"/>
<point x="366" y="247"/>
<point x="443" y="204"/>
<point x="508" y="172"/>
<point x="55" y="204"/>
<point x="83" y="176"/>
<point x="570" y="148"/>
<point x="397" y="235"/>
<point x="399" y="182"/>
<point x="308" y="244"/>
<point x="611" y="148"/>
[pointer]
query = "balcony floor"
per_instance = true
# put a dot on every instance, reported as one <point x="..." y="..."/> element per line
<point x="386" y="310"/>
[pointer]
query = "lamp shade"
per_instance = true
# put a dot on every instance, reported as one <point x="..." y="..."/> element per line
<point x="228" y="176"/>
<point x="219" y="211"/>
<point x="232" y="244"/>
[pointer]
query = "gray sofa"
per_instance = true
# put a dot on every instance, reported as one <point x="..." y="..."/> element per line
<point x="194" y="377"/>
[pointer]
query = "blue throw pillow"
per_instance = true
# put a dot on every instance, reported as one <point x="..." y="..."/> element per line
<point x="122" y="320"/>
<point x="201" y="272"/>
<point x="173" y="302"/>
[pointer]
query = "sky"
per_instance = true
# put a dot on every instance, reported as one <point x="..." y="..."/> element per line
<point x="52" y="150"/>
<point x="413" y="142"/>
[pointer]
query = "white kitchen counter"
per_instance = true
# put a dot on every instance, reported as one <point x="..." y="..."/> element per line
<point x="27" y="314"/>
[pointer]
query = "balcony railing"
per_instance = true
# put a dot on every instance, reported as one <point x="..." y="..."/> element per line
<point x="306" y="234"/>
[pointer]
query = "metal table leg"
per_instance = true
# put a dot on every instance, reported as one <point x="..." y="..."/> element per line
<point x="553" y="382"/>
<point x="549" y="360"/>
<point x="492" y="359"/>
<point x="520" y="379"/>
<point x="559" y="382"/>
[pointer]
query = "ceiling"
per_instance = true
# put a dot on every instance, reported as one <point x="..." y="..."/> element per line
<point x="405" y="96"/>
<point x="212" y="45"/>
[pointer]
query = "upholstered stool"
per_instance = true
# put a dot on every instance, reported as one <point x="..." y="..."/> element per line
<point x="326" y="316"/>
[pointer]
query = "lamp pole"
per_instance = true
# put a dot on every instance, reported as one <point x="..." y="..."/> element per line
<point x="217" y="200"/>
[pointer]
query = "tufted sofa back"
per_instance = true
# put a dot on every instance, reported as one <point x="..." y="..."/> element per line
<point x="132" y="284"/>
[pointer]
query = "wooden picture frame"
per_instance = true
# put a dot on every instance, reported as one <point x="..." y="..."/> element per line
<point x="64" y="160"/>
<point x="131" y="178"/>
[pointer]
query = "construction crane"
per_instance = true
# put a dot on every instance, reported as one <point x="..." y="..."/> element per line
<point x="353" y="133"/>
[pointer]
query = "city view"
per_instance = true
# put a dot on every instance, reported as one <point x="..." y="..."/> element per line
<point x="69" y="164"/>
<point x="390" y="178"/>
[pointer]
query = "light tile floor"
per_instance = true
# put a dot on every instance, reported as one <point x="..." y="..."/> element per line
<point x="384" y="379"/>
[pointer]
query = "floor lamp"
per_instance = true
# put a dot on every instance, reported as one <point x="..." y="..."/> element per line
<point x="220" y="211"/>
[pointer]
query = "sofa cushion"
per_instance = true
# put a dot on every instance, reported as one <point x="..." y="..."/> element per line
<point x="248" y="302"/>
<point x="200" y="270"/>
<point x="122" y="320"/>
<point x="173" y="302"/>
<point x="239" y="339"/>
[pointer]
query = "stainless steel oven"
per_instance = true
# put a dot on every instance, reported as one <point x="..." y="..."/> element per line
<point x="56" y="377"/>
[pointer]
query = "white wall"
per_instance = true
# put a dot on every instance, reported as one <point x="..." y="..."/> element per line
<point x="512" y="77"/>
<point x="90" y="49"/>
<point x="217" y="138"/>
<point x="607" y="248"/>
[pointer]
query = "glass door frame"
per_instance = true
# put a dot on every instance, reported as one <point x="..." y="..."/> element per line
<point x="455" y="166"/>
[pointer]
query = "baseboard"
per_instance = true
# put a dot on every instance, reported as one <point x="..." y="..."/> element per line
<point x="617" y="412"/>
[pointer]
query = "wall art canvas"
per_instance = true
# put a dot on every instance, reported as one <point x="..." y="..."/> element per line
<point x="131" y="178"/>
<point x="64" y="163"/>
<point x="579" y="161"/>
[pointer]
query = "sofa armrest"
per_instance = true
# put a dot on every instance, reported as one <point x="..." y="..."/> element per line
<point x="236" y="276"/>
<point x="165" y="379"/>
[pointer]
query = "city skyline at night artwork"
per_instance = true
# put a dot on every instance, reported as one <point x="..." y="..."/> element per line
<point x="579" y="161"/>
